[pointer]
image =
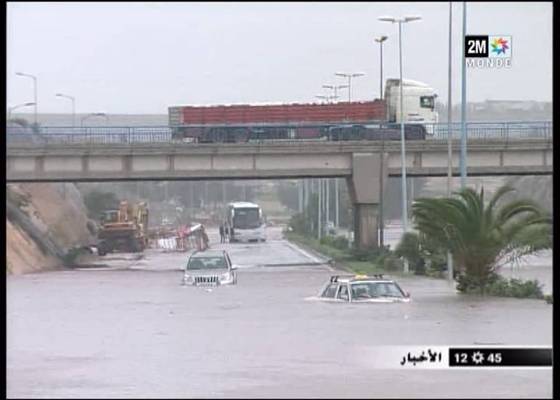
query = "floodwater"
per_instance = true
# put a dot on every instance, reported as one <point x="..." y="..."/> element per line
<point x="134" y="331"/>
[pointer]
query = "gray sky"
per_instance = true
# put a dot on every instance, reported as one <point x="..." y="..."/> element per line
<point x="144" y="57"/>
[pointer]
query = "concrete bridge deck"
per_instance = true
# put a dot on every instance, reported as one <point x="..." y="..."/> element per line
<point x="284" y="159"/>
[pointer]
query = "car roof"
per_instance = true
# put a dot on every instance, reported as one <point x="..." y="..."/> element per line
<point x="359" y="278"/>
<point x="208" y="253"/>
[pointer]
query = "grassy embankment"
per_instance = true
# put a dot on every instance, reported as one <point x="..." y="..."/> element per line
<point x="348" y="259"/>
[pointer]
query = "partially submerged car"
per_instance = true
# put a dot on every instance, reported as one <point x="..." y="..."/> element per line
<point x="209" y="268"/>
<point x="363" y="289"/>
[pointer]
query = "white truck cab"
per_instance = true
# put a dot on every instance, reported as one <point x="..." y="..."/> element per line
<point x="419" y="102"/>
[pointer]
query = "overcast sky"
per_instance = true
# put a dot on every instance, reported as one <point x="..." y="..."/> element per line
<point x="144" y="57"/>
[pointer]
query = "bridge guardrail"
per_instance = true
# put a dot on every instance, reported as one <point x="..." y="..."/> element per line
<point x="47" y="135"/>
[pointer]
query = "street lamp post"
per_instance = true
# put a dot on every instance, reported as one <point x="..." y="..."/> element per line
<point x="335" y="88"/>
<point x="92" y="115"/>
<point x="349" y="76"/>
<point x="73" y="99"/>
<point x="34" y="90"/>
<point x="336" y="190"/>
<point x="449" y="133"/>
<point x="10" y="109"/>
<point x="400" y="21"/>
<point x="464" y="105"/>
<point x="328" y="98"/>
<point x="380" y="40"/>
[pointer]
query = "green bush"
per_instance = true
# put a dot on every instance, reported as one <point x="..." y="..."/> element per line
<point x="548" y="298"/>
<point x="299" y="224"/>
<point x="392" y="263"/>
<point x="410" y="248"/>
<point x="70" y="257"/>
<point x="338" y="242"/>
<point x="499" y="286"/>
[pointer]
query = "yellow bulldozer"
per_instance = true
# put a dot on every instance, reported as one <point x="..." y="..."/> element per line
<point x="124" y="230"/>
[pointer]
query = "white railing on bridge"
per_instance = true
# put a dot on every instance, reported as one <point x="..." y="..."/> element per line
<point x="16" y="135"/>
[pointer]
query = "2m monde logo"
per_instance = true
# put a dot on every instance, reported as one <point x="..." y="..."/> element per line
<point x="484" y="51"/>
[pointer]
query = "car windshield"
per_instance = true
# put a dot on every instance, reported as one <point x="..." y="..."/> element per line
<point x="370" y="290"/>
<point x="206" y="263"/>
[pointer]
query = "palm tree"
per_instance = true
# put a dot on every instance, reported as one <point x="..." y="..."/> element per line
<point x="483" y="237"/>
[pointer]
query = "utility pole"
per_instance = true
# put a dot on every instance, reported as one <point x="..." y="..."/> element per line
<point x="34" y="90"/>
<point x="349" y="76"/>
<point x="300" y="195"/>
<point x="404" y="196"/>
<point x="336" y="202"/>
<point x="73" y="100"/>
<point x="380" y="40"/>
<point x="335" y="88"/>
<point x="449" y="135"/>
<point x="327" y="201"/>
<point x="319" y="201"/>
<point x="464" y="105"/>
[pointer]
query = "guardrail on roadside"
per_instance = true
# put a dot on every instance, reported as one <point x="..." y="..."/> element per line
<point x="163" y="134"/>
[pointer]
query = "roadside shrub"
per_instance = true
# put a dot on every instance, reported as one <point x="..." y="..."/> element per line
<point x="548" y="298"/>
<point x="436" y="269"/>
<point x="517" y="288"/>
<point x="409" y="248"/>
<point x="70" y="257"/>
<point x="502" y="287"/>
<point x="338" y="242"/>
<point x="392" y="263"/>
<point x="375" y="256"/>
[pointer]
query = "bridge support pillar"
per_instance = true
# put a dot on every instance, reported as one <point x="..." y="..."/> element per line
<point x="365" y="186"/>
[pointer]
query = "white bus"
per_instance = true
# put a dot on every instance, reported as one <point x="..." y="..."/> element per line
<point x="245" y="222"/>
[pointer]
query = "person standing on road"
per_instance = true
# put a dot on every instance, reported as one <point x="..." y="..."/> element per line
<point x="205" y="238"/>
<point x="222" y="234"/>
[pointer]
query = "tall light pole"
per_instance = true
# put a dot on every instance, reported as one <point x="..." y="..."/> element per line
<point x="335" y="88"/>
<point x="34" y="90"/>
<point x="349" y="76"/>
<point x="319" y="203"/>
<point x="380" y="40"/>
<point x="10" y="109"/>
<point x="327" y="98"/>
<point x="464" y="104"/>
<point x="400" y="21"/>
<point x="73" y="99"/>
<point x="336" y="190"/>
<point x="449" y="133"/>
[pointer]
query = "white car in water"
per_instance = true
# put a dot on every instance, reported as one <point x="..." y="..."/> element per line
<point x="362" y="289"/>
<point x="209" y="268"/>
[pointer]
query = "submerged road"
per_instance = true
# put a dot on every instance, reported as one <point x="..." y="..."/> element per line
<point x="131" y="330"/>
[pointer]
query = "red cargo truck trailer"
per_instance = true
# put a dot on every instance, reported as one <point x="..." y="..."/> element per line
<point x="335" y="121"/>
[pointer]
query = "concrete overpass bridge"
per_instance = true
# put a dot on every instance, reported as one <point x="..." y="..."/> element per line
<point x="364" y="164"/>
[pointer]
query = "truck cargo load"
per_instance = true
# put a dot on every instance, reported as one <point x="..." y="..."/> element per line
<point x="364" y="120"/>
